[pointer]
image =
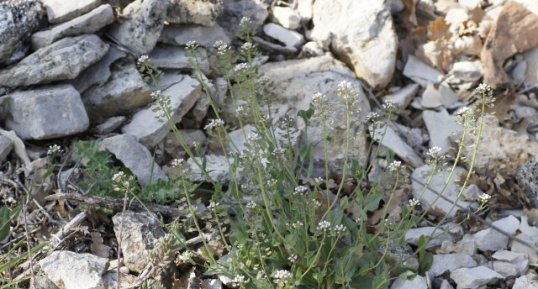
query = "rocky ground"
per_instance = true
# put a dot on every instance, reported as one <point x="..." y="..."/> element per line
<point x="69" y="72"/>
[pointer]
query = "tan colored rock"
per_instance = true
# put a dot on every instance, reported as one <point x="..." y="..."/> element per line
<point x="515" y="31"/>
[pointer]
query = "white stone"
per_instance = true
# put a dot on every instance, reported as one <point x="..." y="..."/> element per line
<point x="504" y="268"/>
<point x="431" y="98"/>
<point x="194" y="12"/>
<point x="435" y="235"/>
<point x="469" y="4"/>
<point x="467" y="70"/>
<point x="396" y="6"/>
<point x="402" y="282"/>
<point x="403" y="97"/>
<point x="150" y="126"/>
<point x="99" y="72"/>
<point x="286" y="17"/>
<point x="173" y="57"/>
<point x="388" y="137"/>
<point x="518" y="73"/>
<point x="305" y="9"/>
<point x="429" y="199"/>
<point x="74" y="270"/>
<point x="529" y="281"/>
<point x="60" y="11"/>
<point x="420" y="72"/>
<point x="450" y="262"/>
<point x="85" y="24"/>
<point x="204" y="36"/>
<point x="135" y="157"/>
<point x="46" y="113"/>
<point x="449" y="97"/>
<point x="312" y="48"/>
<point x="140" y="234"/>
<point x="492" y="240"/>
<point x="446" y="285"/>
<point x="465" y="246"/>
<point x="288" y="37"/>
<point x="471" y="278"/>
<point x="361" y="32"/>
<point x="217" y="168"/>
<point x="440" y="126"/>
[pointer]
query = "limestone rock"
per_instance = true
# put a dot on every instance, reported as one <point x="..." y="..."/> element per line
<point x="110" y="124"/>
<point x="147" y="125"/>
<point x="122" y="93"/>
<point x="74" y="270"/>
<point x="173" y="57"/>
<point x="135" y="157"/>
<point x="62" y="60"/>
<point x="450" y="262"/>
<point x="420" y="72"/>
<point x="403" y="97"/>
<point x="529" y="281"/>
<point x="527" y="178"/>
<point x="47" y="112"/>
<point x="236" y="10"/>
<point x="85" y="24"/>
<point x="440" y="126"/>
<point x="519" y="260"/>
<point x="60" y="11"/>
<point x="140" y="234"/>
<point x="290" y="38"/>
<point x="287" y="17"/>
<point x="98" y="73"/>
<point x="389" y="138"/>
<point x="204" y="36"/>
<point x="202" y="12"/>
<point x="360" y="32"/>
<point x="18" y="20"/>
<point x="143" y="24"/>
<point x="469" y="278"/>
<point x="429" y="198"/>
<point x="492" y="240"/>
<point x="437" y="235"/>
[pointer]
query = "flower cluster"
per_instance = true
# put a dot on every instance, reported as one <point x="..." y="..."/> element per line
<point x="214" y="123"/>
<point x="282" y="278"/>
<point x="142" y="60"/>
<point x="192" y="45"/>
<point x="484" y="198"/>
<point x="238" y="281"/>
<point x="299" y="190"/>
<point x="414" y="203"/>
<point x="177" y="162"/>
<point x="395" y="166"/>
<point x="54" y="150"/>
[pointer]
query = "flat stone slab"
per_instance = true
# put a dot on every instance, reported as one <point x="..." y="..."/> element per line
<point x="85" y="24"/>
<point x="173" y="57"/>
<point x="46" y="113"/>
<point x="135" y="157"/>
<point x="59" y="11"/>
<point x="147" y="125"/>
<point x="62" y="60"/>
<point x="204" y="36"/>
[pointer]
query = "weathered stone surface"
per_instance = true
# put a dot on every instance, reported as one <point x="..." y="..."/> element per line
<point x="440" y="126"/>
<point x="62" y="60"/>
<point x="135" y="157"/>
<point x="437" y="235"/>
<point x="173" y="57"/>
<point x="202" y="12"/>
<point x="99" y="72"/>
<point x="492" y="240"/>
<point x="450" y="262"/>
<point x="529" y="281"/>
<point x="420" y="72"/>
<point x="519" y="260"/>
<point x="148" y="125"/>
<point x="287" y="17"/>
<point x="527" y="178"/>
<point x="46" y="113"/>
<point x="361" y="33"/>
<point x="403" y="97"/>
<point x="469" y="278"/>
<point x="295" y="82"/>
<point x="204" y="36"/>
<point x="191" y="137"/>
<point x="18" y="20"/>
<point x="6" y="145"/>
<point x="140" y="234"/>
<point x="85" y="24"/>
<point x="60" y="11"/>
<point x="429" y="198"/>
<point x="110" y="124"/>
<point x="387" y="136"/>
<point x="143" y="24"/>
<point x="217" y="168"/>
<point x="122" y="93"/>
<point x="74" y="270"/>
<point x="290" y="38"/>
<point x="235" y="10"/>
<point x="403" y="282"/>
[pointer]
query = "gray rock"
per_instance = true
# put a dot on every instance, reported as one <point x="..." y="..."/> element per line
<point x="74" y="270"/>
<point x="528" y="234"/>
<point x="173" y="57"/>
<point x="446" y="285"/>
<point x="139" y="233"/>
<point x="529" y="281"/>
<point x="62" y="60"/>
<point x="217" y="168"/>
<point x="290" y="38"/>
<point x="504" y="268"/>
<point x="6" y="145"/>
<point x="191" y="137"/>
<point x="520" y="260"/>
<point x="204" y="36"/>
<point x="403" y="282"/>
<point x="311" y="49"/>
<point x="110" y="124"/>
<point x="85" y="24"/>
<point x="470" y="278"/>
<point x="18" y="20"/>
<point x="492" y="240"/>
<point x="135" y="157"/>
<point x="436" y="235"/>
<point x="98" y="73"/>
<point x="429" y="199"/>
<point x="527" y="178"/>
<point x="200" y="12"/>
<point x="48" y="112"/>
<point x="122" y="93"/>
<point x="450" y="262"/>
<point x="144" y="22"/>
<point x="403" y="97"/>
<point x="278" y="48"/>
<point x="360" y="32"/>
<point x="420" y="72"/>
<point x="387" y="136"/>
<point x="431" y="97"/>
<point x="440" y="126"/>
<point x="466" y="245"/>
<point x="467" y="70"/>
<point x="235" y="10"/>
<point x="60" y="11"/>
<point x="148" y="125"/>
<point x="287" y="17"/>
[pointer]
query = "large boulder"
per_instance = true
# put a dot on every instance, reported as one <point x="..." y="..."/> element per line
<point x="361" y="33"/>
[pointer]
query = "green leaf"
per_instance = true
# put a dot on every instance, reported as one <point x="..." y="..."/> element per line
<point x="6" y="215"/>
<point x="306" y="115"/>
<point x="425" y="259"/>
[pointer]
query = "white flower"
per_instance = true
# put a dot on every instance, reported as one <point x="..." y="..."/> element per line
<point x="247" y="46"/>
<point x="388" y="105"/>
<point x="240" y="109"/>
<point x="118" y="177"/>
<point x="251" y="205"/>
<point x="238" y="280"/>
<point x="54" y="150"/>
<point x="323" y="226"/>
<point x="192" y="44"/>
<point x="319" y="180"/>
<point x="484" y="198"/>
<point x="212" y="205"/>
<point x="296" y="225"/>
<point x="177" y="162"/>
<point x="142" y="60"/>
<point x="264" y="161"/>
<point x="344" y="87"/>
<point x="293" y="258"/>
<point x="316" y="203"/>
<point x="434" y="152"/>
<point x="483" y="88"/>
<point x="372" y="116"/>
<point x="282" y="277"/>
<point x="339" y="229"/>
<point x="299" y="190"/>
<point x="395" y="166"/>
<point x="319" y="97"/>
<point x="245" y="21"/>
<point x="213" y="123"/>
<point x="414" y="203"/>
<point x="241" y="66"/>
<point x="155" y="94"/>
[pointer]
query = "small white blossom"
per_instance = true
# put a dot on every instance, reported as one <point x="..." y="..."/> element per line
<point x="388" y="105"/>
<point x="414" y="203"/>
<point x="344" y="87"/>
<point x="240" y="109"/>
<point x="434" y="152"/>
<point x="339" y="229"/>
<point x="245" y="21"/>
<point x="251" y="205"/>
<point x="238" y="280"/>
<point x="282" y="277"/>
<point x="214" y="123"/>
<point x="483" y="88"/>
<point x="247" y="46"/>
<point x="264" y="161"/>
<point x="395" y="166"/>
<point x="323" y="226"/>
<point x="319" y="180"/>
<point x="293" y="258"/>
<point x="155" y="94"/>
<point x="372" y="116"/>
<point x="177" y="162"/>
<point x="297" y="225"/>
<point x="142" y="60"/>
<point x="484" y="198"/>
<point x="241" y="67"/>
<point x="212" y="205"/>
<point x="319" y="97"/>
<point x="54" y="150"/>
<point x="118" y="177"/>
<point x="192" y="44"/>
<point x="316" y="203"/>
<point x="299" y="190"/>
